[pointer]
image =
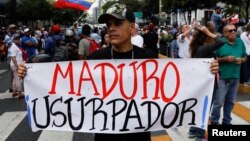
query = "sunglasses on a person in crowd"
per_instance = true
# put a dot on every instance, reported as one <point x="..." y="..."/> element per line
<point x="232" y="30"/>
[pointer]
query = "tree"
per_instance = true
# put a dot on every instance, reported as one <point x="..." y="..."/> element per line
<point x="135" y="5"/>
<point x="185" y="5"/>
<point x="12" y="11"/>
<point x="65" y="16"/>
<point x="246" y="9"/>
<point x="151" y="7"/>
<point x="239" y="4"/>
<point x="33" y="10"/>
<point x="30" y="11"/>
<point x="106" y="6"/>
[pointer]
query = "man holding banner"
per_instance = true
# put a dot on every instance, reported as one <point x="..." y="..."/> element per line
<point x="120" y="23"/>
<point x="144" y="111"/>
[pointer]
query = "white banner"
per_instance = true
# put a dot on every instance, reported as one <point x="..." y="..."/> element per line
<point x="118" y="96"/>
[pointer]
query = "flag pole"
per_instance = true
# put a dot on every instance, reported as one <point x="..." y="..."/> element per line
<point x="79" y="18"/>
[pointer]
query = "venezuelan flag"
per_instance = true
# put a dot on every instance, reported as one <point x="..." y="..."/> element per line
<point x="74" y="4"/>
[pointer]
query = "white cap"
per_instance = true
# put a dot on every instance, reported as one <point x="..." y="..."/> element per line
<point x="26" y="30"/>
<point x="12" y="26"/>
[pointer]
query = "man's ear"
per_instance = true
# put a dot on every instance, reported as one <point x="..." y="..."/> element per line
<point x="132" y="27"/>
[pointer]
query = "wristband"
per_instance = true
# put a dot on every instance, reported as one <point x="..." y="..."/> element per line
<point x="243" y="59"/>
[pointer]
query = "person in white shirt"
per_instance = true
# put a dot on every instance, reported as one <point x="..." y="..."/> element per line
<point x="245" y="36"/>
<point x="183" y="41"/>
<point x="8" y="40"/>
<point x="16" y="55"/>
<point x="136" y="39"/>
<point x="96" y="36"/>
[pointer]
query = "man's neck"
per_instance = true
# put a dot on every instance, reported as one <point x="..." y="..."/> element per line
<point x="123" y="48"/>
<point x="133" y="34"/>
<point x="231" y="41"/>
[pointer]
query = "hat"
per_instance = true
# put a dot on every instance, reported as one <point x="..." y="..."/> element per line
<point x="217" y="7"/>
<point x="69" y="32"/>
<point x="12" y="26"/>
<point x="56" y="28"/>
<point x="151" y="26"/>
<point x="118" y="11"/>
<point x="26" y="30"/>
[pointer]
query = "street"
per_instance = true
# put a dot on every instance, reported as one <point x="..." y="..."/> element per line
<point x="14" y="124"/>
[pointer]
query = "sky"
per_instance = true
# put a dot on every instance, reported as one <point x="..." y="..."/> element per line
<point x="90" y="11"/>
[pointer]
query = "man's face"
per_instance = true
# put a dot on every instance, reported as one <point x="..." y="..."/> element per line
<point x="12" y="30"/>
<point x="185" y="28"/>
<point x="119" y="31"/>
<point x="230" y="32"/>
<point x="27" y="33"/>
<point x="218" y="11"/>
<point x="106" y="38"/>
<point x="17" y="41"/>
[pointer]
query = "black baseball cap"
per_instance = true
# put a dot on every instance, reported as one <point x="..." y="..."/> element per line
<point x="118" y="11"/>
<point x="217" y="7"/>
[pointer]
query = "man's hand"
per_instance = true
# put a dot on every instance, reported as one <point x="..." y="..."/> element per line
<point x="214" y="68"/>
<point x="21" y="71"/>
<point x="239" y="60"/>
<point x="230" y="59"/>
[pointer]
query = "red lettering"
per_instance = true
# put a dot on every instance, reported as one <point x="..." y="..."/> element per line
<point x="177" y="86"/>
<point x="68" y="72"/>
<point x="85" y="66"/>
<point x="106" y="92"/>
<point x="109" y="83"/>
<point x="134" y="84"/>
<point x="151" y="76"/>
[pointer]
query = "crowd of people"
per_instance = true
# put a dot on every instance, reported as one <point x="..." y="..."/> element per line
<point x="122" y="38"/>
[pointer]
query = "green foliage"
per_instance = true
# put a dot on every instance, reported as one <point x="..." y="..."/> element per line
<point x="152" y="7"/>
<point x="166" y="37"/>
<point x="135" y="5"/>
<point x="65" y="16"/>
<point x="106" y="6"/>
<point x="185" y="5"/>
<point x="42" y="10"/>
<point x="32" y="10"/>
<point x="148" y="7"/>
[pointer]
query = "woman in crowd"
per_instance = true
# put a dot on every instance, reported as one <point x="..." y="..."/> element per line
<point x="203" y="44"/>
<point x="106" y="42"/>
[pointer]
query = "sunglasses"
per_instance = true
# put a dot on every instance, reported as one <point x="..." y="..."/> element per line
<point x="232" y="30"/>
